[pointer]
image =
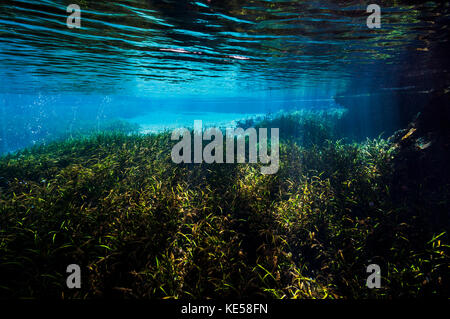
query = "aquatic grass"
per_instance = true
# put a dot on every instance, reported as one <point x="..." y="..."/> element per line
<point x="141" y="226"/>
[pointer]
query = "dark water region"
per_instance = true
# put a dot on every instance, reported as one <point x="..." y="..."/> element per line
<point x="364" y="149"/>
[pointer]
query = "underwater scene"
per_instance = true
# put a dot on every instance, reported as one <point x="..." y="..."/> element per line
<point x="213" y="149"/>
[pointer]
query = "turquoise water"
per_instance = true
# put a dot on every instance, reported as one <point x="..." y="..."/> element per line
<point x="132" y="59"/>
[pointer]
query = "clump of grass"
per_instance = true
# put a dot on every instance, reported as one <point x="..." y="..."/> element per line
<point x="141" y="226"/>
<point x="305" y="127"/>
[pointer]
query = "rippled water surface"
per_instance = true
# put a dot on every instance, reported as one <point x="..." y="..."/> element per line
<point x="213" y="47"/>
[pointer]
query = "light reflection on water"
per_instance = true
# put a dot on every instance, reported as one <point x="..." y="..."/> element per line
<point x="208" y="47"/>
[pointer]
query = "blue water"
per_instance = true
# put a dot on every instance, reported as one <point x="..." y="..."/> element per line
<point x="150" y="62"/>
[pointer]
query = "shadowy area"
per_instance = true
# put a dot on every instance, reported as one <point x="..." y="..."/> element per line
<point x="422" y="170"/>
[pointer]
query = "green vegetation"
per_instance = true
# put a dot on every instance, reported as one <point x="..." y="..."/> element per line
<point x="141" y="226"/>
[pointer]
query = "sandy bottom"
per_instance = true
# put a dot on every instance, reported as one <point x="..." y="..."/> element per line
<point x="162" y="121"/>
